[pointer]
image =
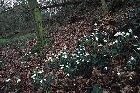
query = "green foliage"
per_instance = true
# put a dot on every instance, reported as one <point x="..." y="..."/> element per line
<point x="16" y="19"/>
<point x="96" y="89"/>
<point x="40" y="81"/>
<point x="26" y="37"/>
<point x="96" y="50"/>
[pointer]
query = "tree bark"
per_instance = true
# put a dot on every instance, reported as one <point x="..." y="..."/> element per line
<point x="38" y="21"/>
<point x="104" y="7"/>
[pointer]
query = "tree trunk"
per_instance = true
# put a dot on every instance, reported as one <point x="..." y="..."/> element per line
<point x="38" y="21"/>
<point x="104" y="7"/>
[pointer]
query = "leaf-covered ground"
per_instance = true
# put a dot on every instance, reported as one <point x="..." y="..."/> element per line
<point x="111" y="38"/>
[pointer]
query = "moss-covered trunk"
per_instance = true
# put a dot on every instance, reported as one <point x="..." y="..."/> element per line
<point x="38" y="21"/>
<point x="104" y="7"/>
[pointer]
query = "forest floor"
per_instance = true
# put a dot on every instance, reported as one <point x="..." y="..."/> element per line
<point x="23" y="70"/>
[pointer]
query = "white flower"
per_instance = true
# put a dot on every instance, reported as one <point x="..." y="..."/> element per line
<point x="127" y="34"/>
<point x="64" y="56"/>
<point x="64" y="53"/>
<point x="33" y="76"/>
<point x="41" y="71"/>
<point x="96" y="38"/>
<point x="96" y="29"/>
<point x="77" y="56"/>
<point x="119" y="34"/>
<point x="116" y="41"/>
<point x="50" y="59"/>
<point x="77" y="62"/>
<point x="78" y="52"/>
<point x="135" y="36"/>
<point x="130" y="30"/>
<point x="92" y="33"/>
<point x="118" y="73"/>
<point x="95" y="24"/>
<point x="79" y="39"/>
<point x="68" y="75"/>
<point x="105" y="68"/>
<point x="18" y="80"/>
<point x="80" y="49"/>
<point x="100" y="45"/>
<point x="35" y="53"/>
<point x="105" y="40"/>
<point x="138" y="48"/>
<point x="62" y="65"/>
<point x="87" y="54"/>
<point x="67" y="66"/>
<point x="41" y="81"/>
<point x="57" y="57"/>
<point x="132" y="58"/>
<point x="130" y="77"/>
<point x="8" y="80"/>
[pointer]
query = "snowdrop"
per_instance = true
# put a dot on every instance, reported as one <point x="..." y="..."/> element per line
<point x="138" y="48"/>
<point x="87" y="54"/>
<point x="116" y="41"/>
<point x="96" y="38"/>
<point x="77" y="56"/>
<point x="67" y="66"/>
<point x="92" y="34"/>
<point x="50" y="59"/>
<point x="62" y="65"/>
<point x="105" y="40"/>
<point x="41" y="81"/>
<point x="132" y="58"/>
<point x="95" y="24"/>
<point x="100" y="45"/>
<point x="105" y="68"/>
<point x="33" y="76"/>
<point x="8" y="80"/>
<point x="118" y="73"/>
<point x="127" y="34"/>
<point x="77" y="62"/>
<point x="119" y="34"/>
<point x="135" y="36"/>
<point x="64" y="56"/>
<point x="35" y="53"/>
<point x="130" y="30"/>
<point x="96" y="29"/>
<point x="78" y="52"/>
<point x="64" y="53"/>
<point x="41" y="71"/>
<point x="86" y="39"/>
<point x="18" y="80"/>
<point x="68" y="75"/>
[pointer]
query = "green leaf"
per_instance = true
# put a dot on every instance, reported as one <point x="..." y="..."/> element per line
<point x="97" y="89"/>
